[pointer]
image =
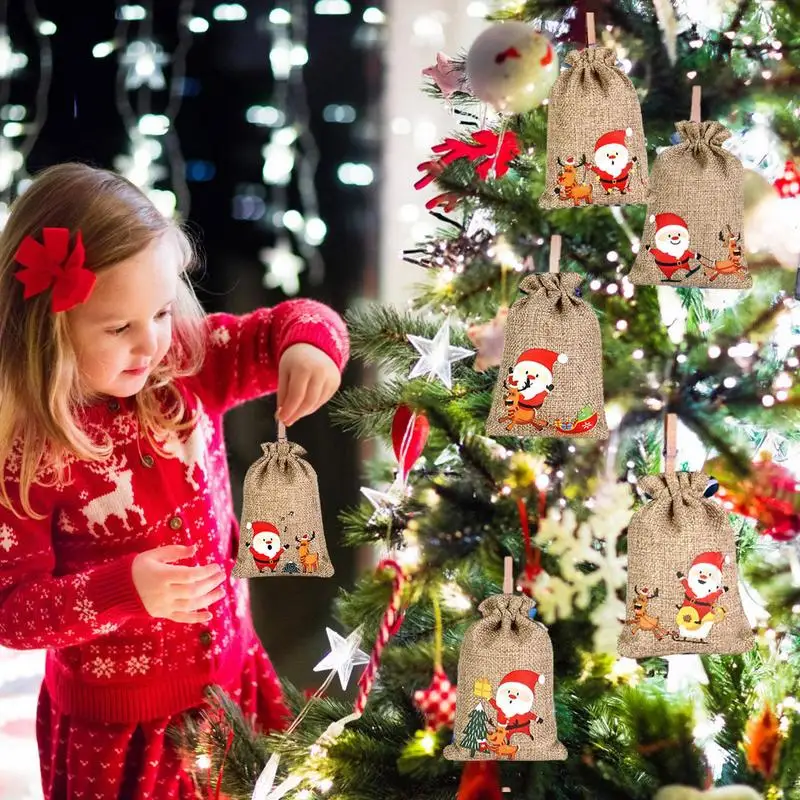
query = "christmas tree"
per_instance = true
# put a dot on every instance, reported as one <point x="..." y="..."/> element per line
<point x="721" y="361"/>
<point x="476" y="730"/>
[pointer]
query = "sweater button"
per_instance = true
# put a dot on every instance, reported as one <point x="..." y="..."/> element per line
<point x="148" y="460"/>
<point x="206" y="638"/>
<point x="176" y="523"/>
<point x="113" y="405"/>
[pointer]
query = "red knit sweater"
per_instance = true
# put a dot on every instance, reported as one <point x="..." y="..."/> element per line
<point x="65" y="581"/>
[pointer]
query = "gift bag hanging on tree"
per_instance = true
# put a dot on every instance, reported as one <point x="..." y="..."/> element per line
<point x="504" y="704"/>
<point x="281" y="527"/>
<point x="596" y="152"/>
<point x="693" y="231"/>
<point x="551" y="376"/>
<point x="683" y="594"/>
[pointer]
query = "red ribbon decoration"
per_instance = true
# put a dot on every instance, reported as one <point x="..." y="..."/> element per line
<point x="222" y="767"/>
<point x="485" y="149"/>
<point x="408" y="440"/>
<point x="533" y="555"/>
<point x="50" y="264"/>
<point x="480" y="780"/>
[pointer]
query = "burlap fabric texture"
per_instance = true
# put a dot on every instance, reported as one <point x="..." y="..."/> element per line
<point x="683" y="595"/>
<point x="504" y="703"/>
<point x="551" y="377"/>
<point x="692" y="233"/>
<point x="596" y="151"/>
<point x="281" y="527"/>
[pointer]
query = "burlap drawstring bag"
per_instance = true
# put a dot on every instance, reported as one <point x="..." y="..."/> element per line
<point x="596" y="152"/>
<point x="692" y="235"/>
<point x="551" y="377"/>
<point x="504" y="702"/>
<point x="683" y="594"/>
<point x="281" y="527"/>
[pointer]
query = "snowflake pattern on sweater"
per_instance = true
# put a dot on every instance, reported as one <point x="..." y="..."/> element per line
<point x="65" y="581"/>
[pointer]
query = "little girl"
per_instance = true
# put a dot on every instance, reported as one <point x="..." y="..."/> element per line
<point x="116" y="511"/>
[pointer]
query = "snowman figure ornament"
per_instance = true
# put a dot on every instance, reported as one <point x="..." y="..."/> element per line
<point x="266" y="546"/>
<point x="702" y="589"/>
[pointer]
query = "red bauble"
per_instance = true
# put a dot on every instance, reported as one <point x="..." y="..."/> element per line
<point x="767" y="495"/>
<point x="437" y="702"/>
<point x="788" y="185"/>
<point x="480" y="780"/>
<point x="408" y="440"/>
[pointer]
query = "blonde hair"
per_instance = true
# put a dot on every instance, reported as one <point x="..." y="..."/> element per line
<point x="40" y="386"/>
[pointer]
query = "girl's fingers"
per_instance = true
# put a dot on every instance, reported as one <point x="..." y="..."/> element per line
<point x="189" y="575"/>
<point x="295" y="393"/>
<point x="191" y="591"/>
<point x="191" y="617"/>
<point x="199" y="603"/>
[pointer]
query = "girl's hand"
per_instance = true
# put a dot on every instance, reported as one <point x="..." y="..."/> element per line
<point x="173" y="592"/>
<point x="307" y="379"/>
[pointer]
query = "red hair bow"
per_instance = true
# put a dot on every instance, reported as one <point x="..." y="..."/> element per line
<point x="49" y="264"/>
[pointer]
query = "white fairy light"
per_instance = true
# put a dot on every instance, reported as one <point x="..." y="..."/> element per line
<point x="10" y="59"/>
<point x="332" y="7"/>
<point x="229" y="12"/>
<point x="768" y="401"/>
<point x="144" y="60"/>
<point x="283" y="268"/>
<point x="103" y="49"/>
<point x="131" y="12"/>
<point x="198" y="24"/>
<point x="355" y="174"/>
<point x="714" y="351"/>
<point x="373" y="16"/>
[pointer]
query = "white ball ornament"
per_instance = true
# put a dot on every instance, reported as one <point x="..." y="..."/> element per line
<point x="512" y="67"/>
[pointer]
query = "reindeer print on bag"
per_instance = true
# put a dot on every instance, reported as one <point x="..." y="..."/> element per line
<point x="732" y="265"/>
<point x="569" y="187"/>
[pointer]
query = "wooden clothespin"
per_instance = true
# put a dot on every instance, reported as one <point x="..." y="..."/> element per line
<point x="590" y="38"/>
<point x="696" y="95"/>
<point x="555" y="253"/>
<point x="508" y="575"/>
<point x="670" y="442"/>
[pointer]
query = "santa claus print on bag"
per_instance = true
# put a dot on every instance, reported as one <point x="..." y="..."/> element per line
<point x="612" y="162"/>
<point x="671" y="251"/>
<point x="529" y="382"/>
<point x="265" y="546"/>
<point x="698" y="611"/>
<point x="702" y="589"/>
<point x="513" y="705"/>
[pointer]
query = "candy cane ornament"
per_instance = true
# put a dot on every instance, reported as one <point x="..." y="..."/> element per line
<point x="390" y="624"/>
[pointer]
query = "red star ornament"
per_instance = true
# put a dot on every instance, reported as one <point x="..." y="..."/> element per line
<point x="437" y="702"/>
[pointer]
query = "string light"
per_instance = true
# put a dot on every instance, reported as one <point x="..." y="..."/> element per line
<point x="13" y="154"/>
<point x="291" y="155"/>
<point x="155" y="154"/>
